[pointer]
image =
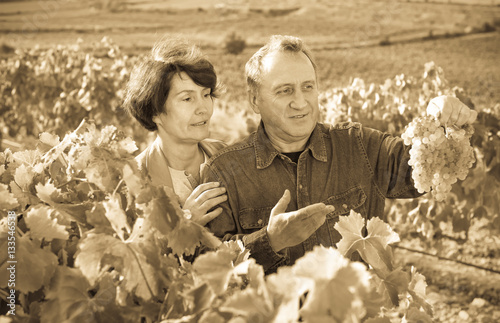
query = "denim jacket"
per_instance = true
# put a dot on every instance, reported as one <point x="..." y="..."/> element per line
<point x="347" y="166"/>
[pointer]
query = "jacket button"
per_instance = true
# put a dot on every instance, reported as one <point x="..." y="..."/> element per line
<point x="344" y="206"/>
<point x="260" y="221"/>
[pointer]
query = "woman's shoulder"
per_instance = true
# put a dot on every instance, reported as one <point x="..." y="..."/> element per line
<point x="142" y="158"/>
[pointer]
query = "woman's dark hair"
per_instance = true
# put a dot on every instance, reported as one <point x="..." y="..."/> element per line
<point x="149" y="84"/>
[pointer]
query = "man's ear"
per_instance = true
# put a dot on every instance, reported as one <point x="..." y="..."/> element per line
<point x="252" y="98"/>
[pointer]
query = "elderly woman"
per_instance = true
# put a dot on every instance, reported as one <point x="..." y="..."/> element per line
<point x="172" y="92"/>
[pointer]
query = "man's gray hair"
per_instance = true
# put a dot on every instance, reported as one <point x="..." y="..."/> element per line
<point x="277" y="43"/>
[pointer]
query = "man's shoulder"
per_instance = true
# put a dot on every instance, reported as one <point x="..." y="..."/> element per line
<point x="232" y="152"/>
<point x="212" y="146"/>
<point x="327" y="127"/>
<point x="342" y="129"/>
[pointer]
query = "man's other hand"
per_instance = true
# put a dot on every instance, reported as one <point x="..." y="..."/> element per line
<point x="451" y="111"/>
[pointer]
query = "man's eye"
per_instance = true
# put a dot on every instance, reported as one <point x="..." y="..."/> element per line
<point x="285" y="91"/>
<point x="309" y="87"/>
<point x="207" y="95"/>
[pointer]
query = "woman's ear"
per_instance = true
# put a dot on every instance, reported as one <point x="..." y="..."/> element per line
<point x="157" y="119"/>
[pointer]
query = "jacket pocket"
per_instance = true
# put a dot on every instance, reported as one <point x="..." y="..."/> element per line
<point x="352" y="199"/>
<point x="254" y="219"/>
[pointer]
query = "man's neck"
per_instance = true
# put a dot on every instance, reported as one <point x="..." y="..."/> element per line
<point x="287" y="146"/>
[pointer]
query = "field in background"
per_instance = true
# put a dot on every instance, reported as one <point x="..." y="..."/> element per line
<point x="345" y="36"/>
<point x="372" y="40"/>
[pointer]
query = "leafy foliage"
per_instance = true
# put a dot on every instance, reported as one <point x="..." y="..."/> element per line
<point x="95" y="241"/>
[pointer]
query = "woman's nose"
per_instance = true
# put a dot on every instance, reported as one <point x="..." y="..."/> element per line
<point x="204" y="105"/>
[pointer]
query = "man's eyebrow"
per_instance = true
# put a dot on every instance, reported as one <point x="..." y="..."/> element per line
<point x="291" y="84"/>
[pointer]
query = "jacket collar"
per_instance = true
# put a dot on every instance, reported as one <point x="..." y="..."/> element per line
<point x="154" y="161"/>
<point x="265" y="151"/>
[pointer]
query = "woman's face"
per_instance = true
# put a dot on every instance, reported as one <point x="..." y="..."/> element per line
<point x="189" y="108"/>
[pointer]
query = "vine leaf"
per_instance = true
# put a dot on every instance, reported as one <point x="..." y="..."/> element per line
<point x="53" y="196"/>
<point x="105" y="176"/>
<point x="164" y="215"/>
<point x="414" y="315"/>
<point x="26" y="157"/>
<point x="215" y="268"/>
<point x="48" y="193"/>
<point x="127" y="145"/>
<point x="23" y="176"/>
<point x="117" y="217"/>
<point x="416" y="289"/>
<point x="374" y="247"/>
<point x="200" y="298"/>
<point x="7" y="200"/>
<point x="188" y="235"/>
<point x="44" y="226"/>
<point x="393" y="284"/>
<point x="69" y="299"/>
<point x="137" y="262"/>
<point x="49" y="139"/>
<point x="135" y="183"/>
<point x="251" y="305"/>
<point x="28" y="256"/>
<point x="286" y="288"/>
<point x="337" y="288"/>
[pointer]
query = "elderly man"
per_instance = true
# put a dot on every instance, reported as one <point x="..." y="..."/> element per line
<point x="288" y="183"/>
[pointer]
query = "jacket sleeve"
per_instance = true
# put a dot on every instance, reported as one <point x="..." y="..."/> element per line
<point x="227" y="226"/>
<point x="388" y="157"/>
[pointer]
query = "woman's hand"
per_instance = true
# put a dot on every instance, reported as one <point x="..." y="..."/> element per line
<point x="203" y="198"/>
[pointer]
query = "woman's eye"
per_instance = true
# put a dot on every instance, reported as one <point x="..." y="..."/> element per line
<point x="207" y="95"/>
<point x="187" y="99"/>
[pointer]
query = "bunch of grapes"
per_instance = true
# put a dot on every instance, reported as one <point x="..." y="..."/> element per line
<point x="439" y="156"/>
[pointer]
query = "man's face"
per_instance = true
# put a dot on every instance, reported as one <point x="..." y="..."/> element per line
<point x="287" y="99"/>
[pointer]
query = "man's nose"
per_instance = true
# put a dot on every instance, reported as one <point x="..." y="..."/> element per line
<point x="299" y="100"/>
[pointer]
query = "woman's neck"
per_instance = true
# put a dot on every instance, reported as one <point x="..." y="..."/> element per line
<point x="180" y="155"/>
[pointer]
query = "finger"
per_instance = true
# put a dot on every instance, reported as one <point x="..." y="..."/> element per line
<point x="211" y="215"/>
<point x="433" y="109"/>
<point x="458" y="110"/>
<point x="314" y="209"/>
<point x="464" y="115"/>
<point x="203" y="187"/>
<point x="472" y="117"/>
<point x="437" y="108"/>
<point x="312" y="224"/>
<point x="209" y="194"/>
<point x="282" y="204"/>
<point x="208" y="204"/>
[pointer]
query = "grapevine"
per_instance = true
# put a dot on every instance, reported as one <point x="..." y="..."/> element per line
<point x="438" y="156"/>
<point x="97" y="241"/>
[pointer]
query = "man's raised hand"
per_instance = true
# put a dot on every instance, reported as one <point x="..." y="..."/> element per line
<point x="289" y="229"/>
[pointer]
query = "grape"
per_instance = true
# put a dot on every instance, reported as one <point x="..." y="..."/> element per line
<point x="438" y="156"/>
